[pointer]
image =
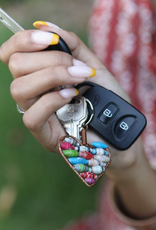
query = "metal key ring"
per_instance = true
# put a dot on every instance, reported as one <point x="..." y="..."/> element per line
<point x="92" y="108"/>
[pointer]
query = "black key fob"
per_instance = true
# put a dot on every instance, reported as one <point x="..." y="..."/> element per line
<point x="118" y="122"/>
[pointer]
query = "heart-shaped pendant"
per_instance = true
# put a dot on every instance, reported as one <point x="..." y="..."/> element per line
<point x="87" y="161"/>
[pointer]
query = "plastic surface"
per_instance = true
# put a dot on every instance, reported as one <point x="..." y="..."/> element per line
<point x="115" y="120"/>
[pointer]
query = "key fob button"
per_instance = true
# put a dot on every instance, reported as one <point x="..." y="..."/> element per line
<point x="115" y="120"/>
<point x="124" y="126"/>
<point x="108" y="113"/>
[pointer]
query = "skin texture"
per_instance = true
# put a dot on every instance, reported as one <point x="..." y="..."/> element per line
<point x="36" y="74"/>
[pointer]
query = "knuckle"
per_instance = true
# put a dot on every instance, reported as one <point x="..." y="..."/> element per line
<point x="47" y="102"/>
<point x="64" y="59"/>
<point x="77" y="43"/>
<point x="2" y="53"/>
<point x="54" y="76"/>
<point x="16" y="89"/>
<point x="14" y="64"/>
<point x="21" y="39"/>
<point x="74" y="36"/>
<point x="18" y="40"/>
<point x="29" y="122"/>
<point x="57" y="73"/>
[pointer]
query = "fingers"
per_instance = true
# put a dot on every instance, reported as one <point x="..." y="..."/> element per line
<point x="46" y="106"/>
<point x="37" y="72"/>
<point x="79" y="50"/>
<point x="32" y="41"/>
<point x="27" y="89"/>
<point x="41" y="120"/>
<point x="21" y="64"/>
<point x="27" y="41"/>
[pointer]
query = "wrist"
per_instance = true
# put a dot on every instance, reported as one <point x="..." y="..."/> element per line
<point x="126" y="165"/>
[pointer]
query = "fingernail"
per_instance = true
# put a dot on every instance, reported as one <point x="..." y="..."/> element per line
<point x="41" y="37"/>
<point x="82" y="71"/>
<point x="78" y="63"/>
<point x="38" y="24"/>
<point x="69" y="92"/>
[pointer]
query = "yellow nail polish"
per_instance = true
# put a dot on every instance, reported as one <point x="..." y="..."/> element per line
<point x="93" y="73"/>
<point x="37" y="24"/>
<point x="77" y="92"/>
<point x="55" y="39"/>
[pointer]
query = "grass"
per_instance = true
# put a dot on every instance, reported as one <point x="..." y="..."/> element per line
<point x="47" y="193"/>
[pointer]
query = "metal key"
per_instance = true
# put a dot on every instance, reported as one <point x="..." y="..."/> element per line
<point x="9" y="22"/>
<point x="73" y="116"/>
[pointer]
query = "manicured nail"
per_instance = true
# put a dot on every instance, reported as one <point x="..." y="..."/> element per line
<point x="78" y="63"/>
<point x="38" y="24"/>
<point x="82" y="71"/>
<point x="69" y="92"/>
<point x="42" y="37"/>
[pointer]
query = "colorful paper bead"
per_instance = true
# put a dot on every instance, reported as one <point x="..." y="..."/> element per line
<point x="81" y="168"/>
<point x="102" y="158"/>
<point x="99" y="145"/>
<point x="89" y="162"/>
<point x="70" y="153"/>
<point x="66" y="146"/>
<point x="89" y="180"/>
<point x="88" y="175"/>
<point x="97" y="169"/>
<point x="78" y="160"/>
<point x="86" y="155"/>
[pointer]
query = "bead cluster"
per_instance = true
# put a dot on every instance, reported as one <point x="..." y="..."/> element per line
<point x="89" y="162"/>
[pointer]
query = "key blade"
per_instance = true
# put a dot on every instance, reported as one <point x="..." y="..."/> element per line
<point x="9" y="22"/>
<point x="73" y="116"/>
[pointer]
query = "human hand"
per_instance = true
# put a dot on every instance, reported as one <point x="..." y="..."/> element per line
<point x="36" y="73"/>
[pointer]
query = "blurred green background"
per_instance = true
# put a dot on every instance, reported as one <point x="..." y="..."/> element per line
<point x="37" y="188"/>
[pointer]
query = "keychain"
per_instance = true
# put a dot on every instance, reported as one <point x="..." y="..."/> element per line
<point x="88" y="161"/>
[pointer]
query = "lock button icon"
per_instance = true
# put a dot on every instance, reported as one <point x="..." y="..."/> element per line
<point x="123" y="126"/>
<point x="108" y="113"/>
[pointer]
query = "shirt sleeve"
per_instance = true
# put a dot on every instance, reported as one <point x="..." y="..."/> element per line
<point x="146" y="224"/>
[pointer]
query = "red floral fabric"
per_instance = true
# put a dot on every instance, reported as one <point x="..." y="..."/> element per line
<point x="122" y="35"/>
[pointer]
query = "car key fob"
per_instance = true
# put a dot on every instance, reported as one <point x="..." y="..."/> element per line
<point x="115" y="120"/>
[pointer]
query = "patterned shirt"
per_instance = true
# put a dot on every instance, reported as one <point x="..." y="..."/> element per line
<point x="122" y="35"/>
